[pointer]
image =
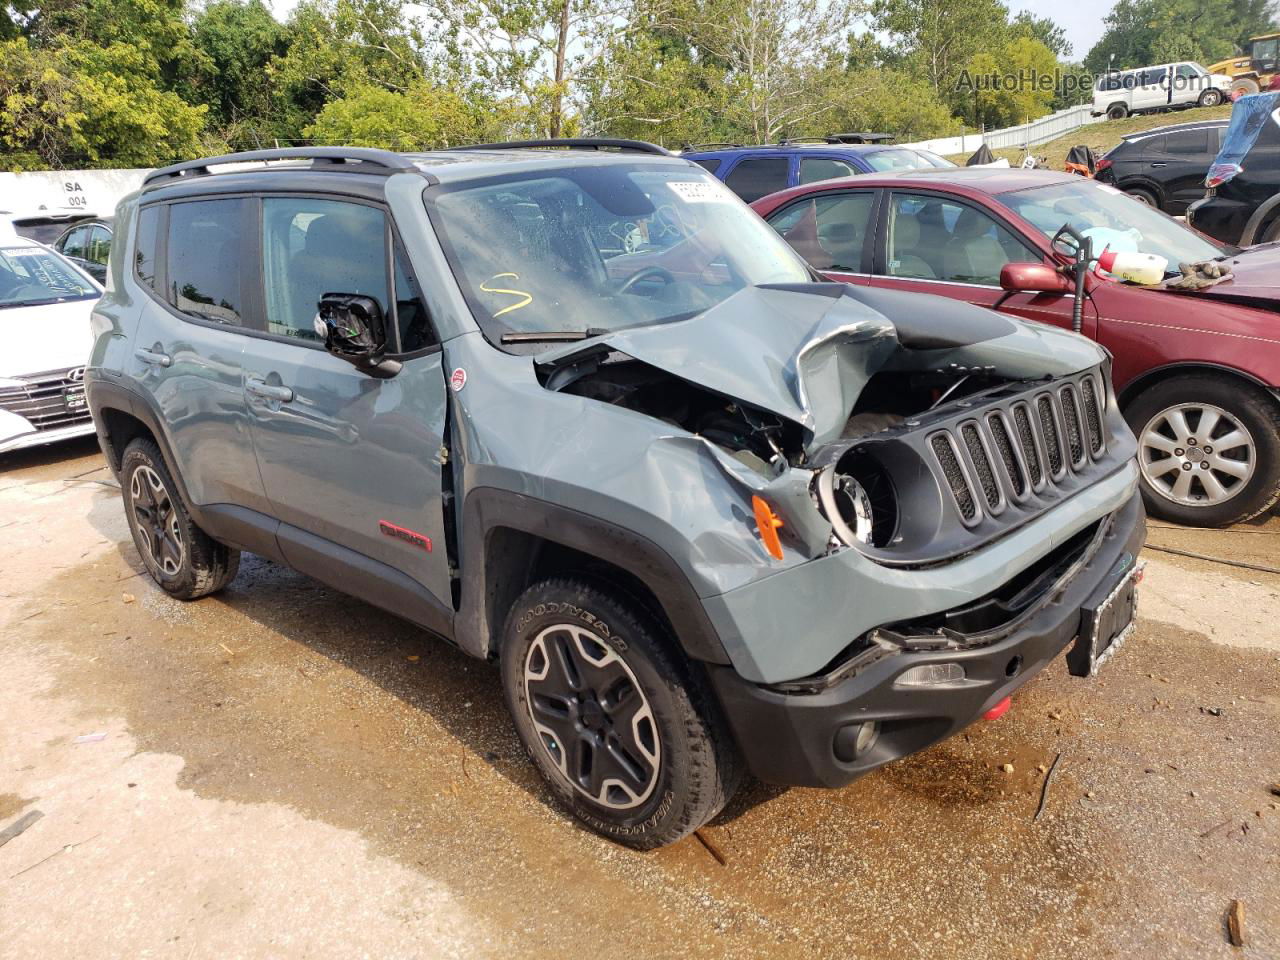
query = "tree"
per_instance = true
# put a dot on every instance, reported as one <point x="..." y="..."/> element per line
<point x="422" y="117"/>
<point x="1143" y="32"/>
<point x="940" y="37"/>
<point x="237" y="42"/>
<point x="1025" y="24"/>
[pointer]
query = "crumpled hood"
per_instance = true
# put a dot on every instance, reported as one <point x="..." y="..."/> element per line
<point x="806" y="351"/>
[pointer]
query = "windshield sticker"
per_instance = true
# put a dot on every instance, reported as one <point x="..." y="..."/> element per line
<point x="528" y="297"/>
<point x="698" y="191"/>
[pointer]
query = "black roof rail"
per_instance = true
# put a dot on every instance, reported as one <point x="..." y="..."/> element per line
<point x="583" y="143"/>
<point x="361" y="160"/>
<point x="708" y="146"/>
<point x="789" y="141"/>
<point x="858" y="137"/>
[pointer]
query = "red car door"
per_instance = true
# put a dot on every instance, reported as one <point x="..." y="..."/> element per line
<point x="932" y="243"/>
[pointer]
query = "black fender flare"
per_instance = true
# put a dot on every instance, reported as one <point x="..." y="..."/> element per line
<point x="487" y="509"/>
<point x="1255" y="221"/>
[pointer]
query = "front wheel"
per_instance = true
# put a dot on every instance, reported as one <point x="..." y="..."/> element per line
<point x="615" y="719"/>
<point x="1208" y="448"/>
<point x="1210" y="98"/>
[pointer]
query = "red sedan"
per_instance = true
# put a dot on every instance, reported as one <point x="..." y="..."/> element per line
<point x="1197" y="374"/>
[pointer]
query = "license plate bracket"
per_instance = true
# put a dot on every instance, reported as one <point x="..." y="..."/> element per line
<point x="1107" y="620"/>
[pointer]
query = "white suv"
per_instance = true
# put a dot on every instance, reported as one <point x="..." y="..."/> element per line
<point x="1119" y="93"/>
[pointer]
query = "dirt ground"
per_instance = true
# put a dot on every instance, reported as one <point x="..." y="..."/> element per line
<point x="287" y="772"/>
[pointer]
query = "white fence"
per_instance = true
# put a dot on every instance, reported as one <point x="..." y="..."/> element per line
<point x="1024" y="135"/>
<point x="61" y="193"/>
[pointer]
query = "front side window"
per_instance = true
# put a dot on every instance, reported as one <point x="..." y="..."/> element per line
<point x="758" y="177"/>
<point x="813" y="169"/>
<point x="828" y="231"/>
<point x="313" y="247"/>
<point x="32" y="275"/>
<point x="207" y="266"/>
<point x="935" y="239"/>
<point x="603" y="247"/>
<point x="1111" y="219"/>
<point x="887" y="161"/>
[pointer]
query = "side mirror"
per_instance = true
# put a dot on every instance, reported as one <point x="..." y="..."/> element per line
<point x="354" y="329"/>
<point x="1033" y="278"/>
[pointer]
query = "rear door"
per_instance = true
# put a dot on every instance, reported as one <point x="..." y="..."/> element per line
<point x="1152" y="89"/>
<point x="1178" y="161"/>
<point x="346" y="457"/>
<point x="193" y="260"/>
<point x="832" y="231"/>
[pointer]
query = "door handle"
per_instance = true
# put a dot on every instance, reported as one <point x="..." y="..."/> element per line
<point x="268" y="391"/>
<point x="153" y="358"/>
<point x="1159" y="163"/>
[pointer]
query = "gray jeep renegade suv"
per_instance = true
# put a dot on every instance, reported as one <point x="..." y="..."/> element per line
<point x="580" y="412"/>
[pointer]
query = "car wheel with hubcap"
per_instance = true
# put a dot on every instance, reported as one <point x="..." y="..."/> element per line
<point x="614" y="717"/>
<point x="184" y="560"/>
<point x="1142" y="195"/>
<point x="1208" y="449"/>
<point x="1210" y="98"/>
<point x="1117" y="111"/>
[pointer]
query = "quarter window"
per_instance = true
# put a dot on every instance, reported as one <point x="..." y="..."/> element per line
<point x="207" y="266"/>
<point x="313" y="247"/>
<point x="935" y="239"/>
<point x="711" y="164"/>
<point x="144" y="255"/>
<point x="828" y="231"/>
<point x="754" y="178"/>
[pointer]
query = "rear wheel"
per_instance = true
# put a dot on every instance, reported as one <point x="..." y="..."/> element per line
<point x="1210" y="98"/>
<point x="1142" y="195"/>
<point x="1117" y="111"/>
<point x="1208" y="448"/>
<point x="618" y="723"/>
<point x="184" y="560"/>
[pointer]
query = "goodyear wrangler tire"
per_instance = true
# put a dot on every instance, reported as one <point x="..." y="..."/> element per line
<point x="617" y="721"/>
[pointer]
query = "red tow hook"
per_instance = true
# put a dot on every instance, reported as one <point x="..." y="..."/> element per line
<point x="998" y="711"/>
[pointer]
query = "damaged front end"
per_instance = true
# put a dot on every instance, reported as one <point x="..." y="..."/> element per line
<point x="911" y="429"/>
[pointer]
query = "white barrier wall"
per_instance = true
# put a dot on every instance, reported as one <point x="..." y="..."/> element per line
<point x="59" y="192"/>
<point x="1023" y="135"/>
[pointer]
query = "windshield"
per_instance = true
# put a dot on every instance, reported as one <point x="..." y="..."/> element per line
<point x="32" y="275"/>
<point x="887" y="161"/>
<point x="1111" y="219"/>
<point x="602" y="247"/>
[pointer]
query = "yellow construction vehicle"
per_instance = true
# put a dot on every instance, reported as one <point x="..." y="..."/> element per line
<point x="1252" y="70"/>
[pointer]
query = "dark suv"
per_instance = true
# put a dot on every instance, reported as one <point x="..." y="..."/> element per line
<point x="581" y="412"/>
<point x="1164" y="167"/>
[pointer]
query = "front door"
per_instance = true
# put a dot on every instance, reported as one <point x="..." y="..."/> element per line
<point x="832" y="231"/>
<point x="349" y="458"/>
<point x="933" y="244"/>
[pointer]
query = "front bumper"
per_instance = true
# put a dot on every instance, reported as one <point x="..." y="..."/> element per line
<point x="790" y="738"/>
<point x="31" y="437"/>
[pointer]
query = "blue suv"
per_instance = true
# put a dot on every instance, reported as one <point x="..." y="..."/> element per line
<point x="755" y="172"/>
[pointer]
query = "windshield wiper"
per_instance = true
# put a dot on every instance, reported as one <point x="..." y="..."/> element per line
<point x="553" y="336"/>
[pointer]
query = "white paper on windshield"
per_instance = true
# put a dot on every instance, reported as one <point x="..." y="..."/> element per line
<point x="699" y="191"/>
<point x="23" y="251"/>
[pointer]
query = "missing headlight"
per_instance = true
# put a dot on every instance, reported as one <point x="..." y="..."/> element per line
<point x="856" y="496"/>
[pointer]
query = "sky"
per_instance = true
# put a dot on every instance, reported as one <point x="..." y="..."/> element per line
<point x="1082" y="19"/>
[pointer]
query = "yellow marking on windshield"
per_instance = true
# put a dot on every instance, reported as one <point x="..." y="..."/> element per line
<point x="528" y="297"/>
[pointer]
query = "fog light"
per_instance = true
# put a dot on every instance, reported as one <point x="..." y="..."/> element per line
<point x="855" y="740"/>
<point x="928" y="674"/>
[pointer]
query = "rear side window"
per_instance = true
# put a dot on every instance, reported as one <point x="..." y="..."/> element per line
<point x="207" y="263"/>
<point x="144" y="254"/>
<point x="1193" y="142"/>
<point x="313" y="247"/>
<point x="828" y="231"/>
<point x="813" y="169"/>
<point x="711" y="164"/>
<point x="754" y="178"/>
